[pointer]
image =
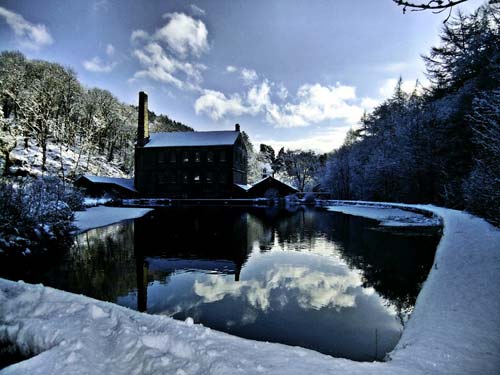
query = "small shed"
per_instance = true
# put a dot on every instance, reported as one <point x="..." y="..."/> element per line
<point x="100" y="185"/>
<point x="270" y="187"/>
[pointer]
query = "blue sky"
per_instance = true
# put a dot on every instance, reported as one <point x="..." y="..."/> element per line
<point x="297" y="74"/>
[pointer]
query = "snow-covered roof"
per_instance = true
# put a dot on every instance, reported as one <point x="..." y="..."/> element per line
<point x="211" y="138"/>
<point x="272" y="178"/>
<point x="244" y="186"/>
<point x="126" y="183"/>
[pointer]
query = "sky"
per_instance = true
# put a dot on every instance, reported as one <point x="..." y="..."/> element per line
<point x="294" y="74"/>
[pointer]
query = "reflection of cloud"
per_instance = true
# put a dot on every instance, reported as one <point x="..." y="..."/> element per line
<point x="333" y="286"/>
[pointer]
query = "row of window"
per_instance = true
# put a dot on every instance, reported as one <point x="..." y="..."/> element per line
<point x="187" y="156"/>
<point x="197" y="178"/>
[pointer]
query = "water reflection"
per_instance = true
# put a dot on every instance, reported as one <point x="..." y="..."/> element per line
<point x="304" y="277"/>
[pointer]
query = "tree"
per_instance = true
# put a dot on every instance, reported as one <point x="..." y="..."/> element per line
<point x="301" y="167"/>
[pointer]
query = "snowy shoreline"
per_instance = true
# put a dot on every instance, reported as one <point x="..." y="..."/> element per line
<point x="100" y="216"/>
<point x="454" y="329"/>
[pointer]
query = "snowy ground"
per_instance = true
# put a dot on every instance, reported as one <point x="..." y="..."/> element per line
<point x="388" y="216"/>
<point x="454" y="329"/>
<point x="101" y="216"/>
<point x="30" y="160"/>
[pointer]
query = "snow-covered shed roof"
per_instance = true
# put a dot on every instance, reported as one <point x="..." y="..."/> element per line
<point x="210" y="138"/>
<point x="274" y="181"/>
<point x="126" y="183"/>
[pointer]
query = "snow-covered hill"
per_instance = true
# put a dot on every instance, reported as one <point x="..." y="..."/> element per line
<point x="61" y="161"/>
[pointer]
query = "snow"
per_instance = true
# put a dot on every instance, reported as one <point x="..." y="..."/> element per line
<point x="390" y="217"/>
<point x="454" y="328"/>
<point x="101" y="216"/>
<point x="209" y="138"/>
<point x="30" y="160"/>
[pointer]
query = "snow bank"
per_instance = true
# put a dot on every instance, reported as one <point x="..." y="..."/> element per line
<point x="454" y="328"/>
<point x="101" y="216"/>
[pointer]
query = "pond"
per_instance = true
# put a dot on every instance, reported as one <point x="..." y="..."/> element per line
<point x="326" y="281"/>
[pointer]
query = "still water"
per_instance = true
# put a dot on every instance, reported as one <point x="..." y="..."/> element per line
<point x="321" y="280"/>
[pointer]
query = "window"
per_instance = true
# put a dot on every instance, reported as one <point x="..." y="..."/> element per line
<point x="173" y="158"/>
<point x="222" y="178"/>
<point x="161" y="157"/>
<point x="197" y="157"/>
<point x="185" y="157"/>
<point x="222" y="156"/>
<point x="172" y="178"/>
<point x="197" y="179"/>
<point x="210" y="156"/>
<point x="185" y="178"/>
<point x="210" y="177"/>
<point x="162" y="178"/>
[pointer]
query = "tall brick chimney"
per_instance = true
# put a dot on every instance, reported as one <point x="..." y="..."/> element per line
<point x="143" y="125"/>
<point x="237" y="127"/>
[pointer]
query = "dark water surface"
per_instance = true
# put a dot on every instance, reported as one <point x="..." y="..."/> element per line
<point x="321" y="280"/>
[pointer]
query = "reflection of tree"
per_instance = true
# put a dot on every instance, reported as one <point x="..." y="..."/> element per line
<point x="394" y="265"/>
<point x="100" y="264"/>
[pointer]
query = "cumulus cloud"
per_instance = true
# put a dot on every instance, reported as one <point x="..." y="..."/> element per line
<point x="217" y="105"/>
<point x="165" y="55"/>
<point x="231" y="69"/>
<point x="162" y="67"/>
<point x="183" y="34"/>
<point x="31" y="36"/>
<point x="138" y="35"/>
<point x="249" y="76"/>
<point x="312" y="104"/>
<point x="96" y="65"/>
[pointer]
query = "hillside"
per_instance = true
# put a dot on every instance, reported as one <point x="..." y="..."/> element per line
<point x="51" y="124"/>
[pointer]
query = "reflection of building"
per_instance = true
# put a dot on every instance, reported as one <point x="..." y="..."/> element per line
<point x="187" y="164"/>
<point x="182" y="238"/>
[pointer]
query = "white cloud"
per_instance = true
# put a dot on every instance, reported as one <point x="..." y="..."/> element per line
<point x="231" y="69"/>
<point x="317" y="103"/>
<point x="282" y="92"/>
<point x="138" y="35"/>
<point x="324" y="140"/>
<point x="31" y="36"/>
<point x="249" y="76"/>
<point x="164" y="54"/>
<point x="197" y="10"/>
<point x="160" y="66"/>
<point x="312" y="104"/>
<point x="216" y="105"/>
<point x="110" y="50"/>
<point x="183" y="34"/>
<point x="96" y="65"/>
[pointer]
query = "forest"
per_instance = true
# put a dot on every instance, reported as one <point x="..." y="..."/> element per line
<point x="439" y="144"/>
<point x="44" y="103"/>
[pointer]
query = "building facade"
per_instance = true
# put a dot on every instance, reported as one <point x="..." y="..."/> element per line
<point x="188" y="164"/>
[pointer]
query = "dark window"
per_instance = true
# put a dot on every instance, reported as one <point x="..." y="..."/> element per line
<point x="173" y="158"/>
<point x="222" y="178"/>
<point x="162" y="178"/>
<point x="210" y="156"/>
<point x="172" y="178"/>
<point x="185" y="178"/>
<point x="185" y="157"/>
<point x="197" y="157"/>
<point x="197" y="179"/>
<point x="222" y="156"/>
<point x="161" y="157"/>
<point x="210" y="177"/>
